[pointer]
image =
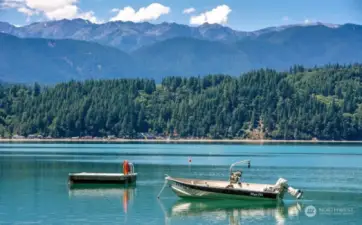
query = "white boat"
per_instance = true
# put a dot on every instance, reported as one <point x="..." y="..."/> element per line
<point x="232" y="189"/>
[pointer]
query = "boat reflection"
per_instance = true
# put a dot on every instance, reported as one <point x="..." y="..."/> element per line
<point x="235" y="212"/>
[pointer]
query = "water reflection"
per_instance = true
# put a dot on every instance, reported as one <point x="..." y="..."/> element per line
<point x="235" y="212"/>
<point x="125" y="194"/>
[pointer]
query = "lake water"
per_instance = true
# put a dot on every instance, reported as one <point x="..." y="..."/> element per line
<point x="34" y="190"/>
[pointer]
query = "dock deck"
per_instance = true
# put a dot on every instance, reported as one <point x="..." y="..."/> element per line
<point x="101" y="178"/>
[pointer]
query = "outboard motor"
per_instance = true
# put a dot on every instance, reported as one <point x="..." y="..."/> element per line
<point x="282" y="185"/>
<point x="296" y="193"/>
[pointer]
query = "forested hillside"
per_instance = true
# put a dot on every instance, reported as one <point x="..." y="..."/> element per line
<point x="323" y="103"/>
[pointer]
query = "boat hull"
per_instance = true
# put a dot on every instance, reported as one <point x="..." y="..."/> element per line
<point x="194" y="191"/>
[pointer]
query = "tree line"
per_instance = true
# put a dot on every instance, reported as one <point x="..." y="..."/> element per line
<point x="303" y="103"/>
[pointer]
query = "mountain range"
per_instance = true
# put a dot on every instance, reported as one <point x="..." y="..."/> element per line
<point x="126" y="36"/>
<point x="56" y="51"/>
<point x="50" y="61"/>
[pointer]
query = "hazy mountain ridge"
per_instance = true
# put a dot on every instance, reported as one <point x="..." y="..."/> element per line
<point x="129" y="36"/>
<point x="166" y="54"/>
<point x="191" y="57"/>
<point x="50" y="61"/>
<point x="309" y="46"/>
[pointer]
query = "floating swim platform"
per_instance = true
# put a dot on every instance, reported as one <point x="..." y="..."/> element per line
<point x="101" y="178"/>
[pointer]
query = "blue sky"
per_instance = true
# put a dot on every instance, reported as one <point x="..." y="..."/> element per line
<point x="239" y="14"/>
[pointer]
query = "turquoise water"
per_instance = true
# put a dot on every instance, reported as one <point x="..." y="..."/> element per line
<point x="33" y="184"/>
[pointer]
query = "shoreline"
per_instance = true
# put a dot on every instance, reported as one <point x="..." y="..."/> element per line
<point x="172" y="141"/>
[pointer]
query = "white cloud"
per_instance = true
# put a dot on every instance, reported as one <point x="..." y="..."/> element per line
<point x="90" y="17"/>
<point x="189" y="10"/>
<point x="26" y="11"/>
<point x="115" y="10"/>
<point x="285" y="18"/>
<point x="64" y="12"/>
<point x="149" y="13"/>
<point x="217" y="15"/>
<point x="51" y="9"/>
<point x="50" y="5"/>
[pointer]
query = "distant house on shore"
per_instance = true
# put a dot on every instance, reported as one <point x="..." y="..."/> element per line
<point x="87" y="137"/>
<point x="32" y="136"/>
<point x="35" y="136"/>
<point x="139" y="136"/>
<point x="111" y="137"/>
<point x="148" y="136"/>
<point x="18" y="137"/>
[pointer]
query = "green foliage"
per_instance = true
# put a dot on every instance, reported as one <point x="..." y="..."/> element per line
<point x="323" y="103"/>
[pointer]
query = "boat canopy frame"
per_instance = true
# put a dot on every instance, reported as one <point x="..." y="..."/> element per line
<point x="243" y="162"/>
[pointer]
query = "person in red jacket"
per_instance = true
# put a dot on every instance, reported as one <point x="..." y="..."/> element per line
<point x="125" y="167"/>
